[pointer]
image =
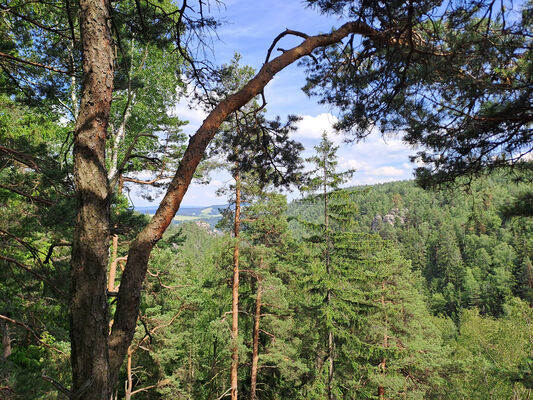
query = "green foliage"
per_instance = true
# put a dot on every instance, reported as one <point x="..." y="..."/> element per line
<point x="250" y="142"/>
<point x="454" y="78"/>
<point x="468" y="254"/>
<point x="493" y="355"/>
<point x="35" y="215"/>
<point x="371" y="263"/>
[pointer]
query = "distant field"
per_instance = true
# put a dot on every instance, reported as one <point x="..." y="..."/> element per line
<point x="201" y="217"/>
<point x="208" y="214"/>
<point x="183" y="218"/>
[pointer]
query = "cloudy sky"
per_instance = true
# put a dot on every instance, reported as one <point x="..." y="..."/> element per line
<point x="249" y="30"/>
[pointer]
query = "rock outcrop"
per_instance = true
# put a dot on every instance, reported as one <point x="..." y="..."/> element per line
<point x="393" y="217"/>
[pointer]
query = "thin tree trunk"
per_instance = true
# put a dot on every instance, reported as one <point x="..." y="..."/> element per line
<point x="330" y="365"/>
<point x="190" y="374"/>
<point x="213" y="370"/>
<point x="88" y="305"/>
<point x="235" y="294"/>
<point x="6" y="340"/>
<point x="113" y="265"/>
<point x="129" y="383"/>
<point x="255" y="345"/>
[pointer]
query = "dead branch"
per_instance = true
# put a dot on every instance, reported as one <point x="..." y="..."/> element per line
<point x="27" y="195"/>
<point x="33" y="22"/>
<point x="31" y="271"/>
<point x="157" y="385"/>
<point x="162" y="284"/>
<point x="23" y="325"/>
<point x="51" y="249"/>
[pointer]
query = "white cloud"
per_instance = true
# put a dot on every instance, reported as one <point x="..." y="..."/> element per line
<point x="312" y="127"/>
<point x="195" y="116"/>
<point x="355" y="164"/>
<point x="387" y="171"/>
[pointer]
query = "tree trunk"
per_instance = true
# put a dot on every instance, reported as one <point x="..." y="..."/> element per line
<point x="255" y="345"/>
<point x="235" y="295"/>
<point x="113" y="265"/>
<point x="6" y="340"/>
<point x="330" y="365"/>
<point x="129" y="383"/>
<point x="88" y="305"/>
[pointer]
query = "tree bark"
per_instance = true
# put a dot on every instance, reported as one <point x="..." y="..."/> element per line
<point x="129" y="382"/>
<point x="88" y="305"/>
<point x="255" y="345"/>
<point x="235" y="295"/>
<point x="113" y="265"/>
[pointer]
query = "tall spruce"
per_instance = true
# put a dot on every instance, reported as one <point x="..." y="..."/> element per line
<point x="323" y="179"/>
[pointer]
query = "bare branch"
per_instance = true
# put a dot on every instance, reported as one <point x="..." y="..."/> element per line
<point x="57" y="385"/>
<point x="21" y="157"/>
<point x="162" y="284"/>
<point x="23" y="325"/>
<point x="31" y="271"/>
<point x="51" y="249"/>
<point x="150" y="182"/>
<point x="157" y="385"/>
<point x="48" y="67"/>
<point x="287" y="32"/>
<point x="33" y="22"/>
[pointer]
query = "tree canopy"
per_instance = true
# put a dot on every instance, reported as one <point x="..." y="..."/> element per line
<point x="459" y="86"/>
<point x="453" y="77"/>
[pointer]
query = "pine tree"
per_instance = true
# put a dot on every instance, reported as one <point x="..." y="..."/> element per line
<point x="258" y="153"/>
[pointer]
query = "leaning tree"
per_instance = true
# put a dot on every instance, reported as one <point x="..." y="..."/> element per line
<point x="454" y="77"/>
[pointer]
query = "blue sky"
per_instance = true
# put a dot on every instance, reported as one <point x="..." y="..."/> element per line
<point x="249" y="30"/>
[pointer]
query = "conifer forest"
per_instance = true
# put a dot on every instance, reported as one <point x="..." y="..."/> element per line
<point x="304" y="285"/>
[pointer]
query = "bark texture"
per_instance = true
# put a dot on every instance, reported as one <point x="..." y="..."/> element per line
<point x="113" y="266"/>
<point x="88" y="307"/>
<point x="6" y="340"/>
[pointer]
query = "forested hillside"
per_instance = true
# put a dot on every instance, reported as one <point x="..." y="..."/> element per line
<point x="383" y="292"/>
<point x="462" y="240"/>
<point x="430" y="297"/>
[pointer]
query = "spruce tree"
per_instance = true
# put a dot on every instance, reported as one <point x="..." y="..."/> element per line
<point x="323" y="179"/>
